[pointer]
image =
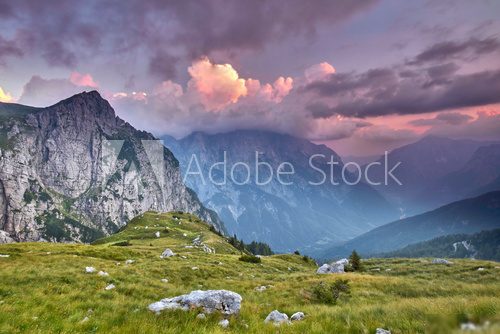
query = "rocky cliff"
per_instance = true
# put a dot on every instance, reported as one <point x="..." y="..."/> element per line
<point x="75" y="171"/>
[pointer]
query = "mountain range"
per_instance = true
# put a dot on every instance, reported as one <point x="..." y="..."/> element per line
<point x="75" y="171"/>
<point x="288" y="217"/>
<point x="467" y="216"/>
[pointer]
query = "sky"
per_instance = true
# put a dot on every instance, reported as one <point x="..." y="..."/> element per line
<point x="359" y="76"/>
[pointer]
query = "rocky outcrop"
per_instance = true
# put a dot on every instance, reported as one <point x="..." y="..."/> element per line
<point x="226" y="302"/>
<point x="75" y="171"/>
<point x="277" y="318"/>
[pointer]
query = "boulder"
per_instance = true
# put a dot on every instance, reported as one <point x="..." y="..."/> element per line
<point x="201" y="316"/>
<point x="110" y="287"/>
<point x="334" y="268"/>
<point x="129" y="261"/>
<point x="261" y="288"/>
<point x="224" y="323"/>
<point x="157" y="234"/>
<point x="5" y="238"/>
<point x="277" y="318"/>
<point x="224" y="301"/>
<point x="342" y="261"/>
<point x="297" y="316"/>
<point x="382" y="331"/>
<point x="89" y="270"/>
<point x="441" y="261"/>
<point x="167" y="253"/>
<point x="102" y="273"/>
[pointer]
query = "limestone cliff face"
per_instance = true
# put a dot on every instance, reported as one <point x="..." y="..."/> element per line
<point x="75" y="171"/>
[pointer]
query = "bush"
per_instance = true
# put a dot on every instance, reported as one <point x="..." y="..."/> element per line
<point x="355" y="261"/>
<point x="121" y="243"/>
<point x="250" y="258"/>
<point x="330" y="293"/>
<point x="296" y="252"/>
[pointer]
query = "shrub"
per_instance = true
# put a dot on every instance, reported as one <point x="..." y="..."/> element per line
<point x="296" y="252"/>
<point x="330" y="293"/>
<point x="355" y="261"/>
<point x="121" y="243"/>
<point x="250" y="258"/>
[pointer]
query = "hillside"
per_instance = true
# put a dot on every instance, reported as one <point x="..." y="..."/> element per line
<point x="484" y="245"/>
<point x="45" y="287"/>
<point x="290" y="216"/>
<point x="467" y="216"/>
<point x="75" y="171"/>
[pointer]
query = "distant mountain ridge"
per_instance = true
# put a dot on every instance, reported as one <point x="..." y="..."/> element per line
<point x="54" y="186"/>
<point x="467" y="216"/>
<point x="483" y="245"/>
<point x="435" y="171"/>
<point x="288" y="217"/>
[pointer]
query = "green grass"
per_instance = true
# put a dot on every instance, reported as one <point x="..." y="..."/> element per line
<point x="44" y="288"/>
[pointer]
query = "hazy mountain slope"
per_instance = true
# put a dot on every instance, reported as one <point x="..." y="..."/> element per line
<point x="424" y="164"/>
<point x="483" y="245"/>
<point x="58" y="180"/>
<point x="463" y="217"/>
<point x="288" y="217"/>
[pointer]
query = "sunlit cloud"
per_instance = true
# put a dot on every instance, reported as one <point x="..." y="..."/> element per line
<point x="82" y="80"/>
<point x="5" y="96"/>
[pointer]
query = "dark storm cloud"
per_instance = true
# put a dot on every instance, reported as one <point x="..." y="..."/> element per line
<point x="8" y="49"/>
<point x="384" y="92"/>
<point x="451" y="118"/>
<point x="445" y="51"/>
<point x="66" y="32"/>
<point x="163" y="65"/>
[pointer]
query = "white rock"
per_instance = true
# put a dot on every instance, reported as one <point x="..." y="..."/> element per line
<point x="167" y="253"/>
<point x="342" y="261"/>
<point x="277" y="318"/>
<point x="201" y="316"/>
<point x="164" y="280"/>
<point x="89" y="270"/>
<point x="194" y="268"/>
<point x="441" y="261"/>
<point x="334" y="268"/>
<point x="4" y="255"/>
<point x="184" y="234"/>
<point x="469" y="326"/>
<point x="84" y="320"/>
<point x="110" y="287"/>
<point x="224" y="301"/>
<point x="260" y="288"/>
<point x="129" y="261"/>
<point x="382" y="331"/>
<point x="102" y="273"/>
<point x="388" y="269"/>
<point x="224" y="323"/>
<point x="297" y="316"/>
<point x="480" y="269"/>
<point x="157" y="234"/>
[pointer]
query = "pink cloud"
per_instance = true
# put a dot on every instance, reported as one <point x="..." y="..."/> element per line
<point x="216" y="85"/>
<point x="82" y="80"/>
<point x="319" y="72"/>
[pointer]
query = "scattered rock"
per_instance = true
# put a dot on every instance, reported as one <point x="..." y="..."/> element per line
<point x="224" y="323"/>
<point x="102" y="273"/>
<point x="164" y="280"/>
<point x="89" y="270"/>
<point x="184" y="235"/>
<point x="441" y="261"/>
<point x="167" y="253"/>
<point x="201" y="316"/>
<point x="388" y="269"/>
<point x="157" y="234"/>
<point x="334" y="268"/>
<point x="277" y="318"/>
<point x="297" y="316"/>
<point x="261" y="288"/>
<point x="224" y="301"/>
<point x="480" y="269"/>
<point x="469" y="326"/>
<point x="194" y="268"/>
<point x="382" y="331"/>
<point x="4" y="255"/>
<point x="129" y="261"/>
<point x="110" y="287"/>
<point x="84" y="320"/>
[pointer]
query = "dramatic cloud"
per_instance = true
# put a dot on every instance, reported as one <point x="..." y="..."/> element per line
<point x="445" y="51"/>
<point x="385" y="92"/>
<point x="319" y="72"/>
<point x="82" y="80"/>
<point x="42" y="92"/>
<point x="452" y="118"/>
<point x="8" y="49"/>
<point x="216" y="85"/>
<point x="5" y="96"/>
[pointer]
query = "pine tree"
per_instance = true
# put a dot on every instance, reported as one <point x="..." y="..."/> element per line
<point x="355" y="261"/>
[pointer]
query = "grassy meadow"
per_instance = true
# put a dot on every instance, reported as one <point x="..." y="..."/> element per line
<point x="44" y="287"/>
